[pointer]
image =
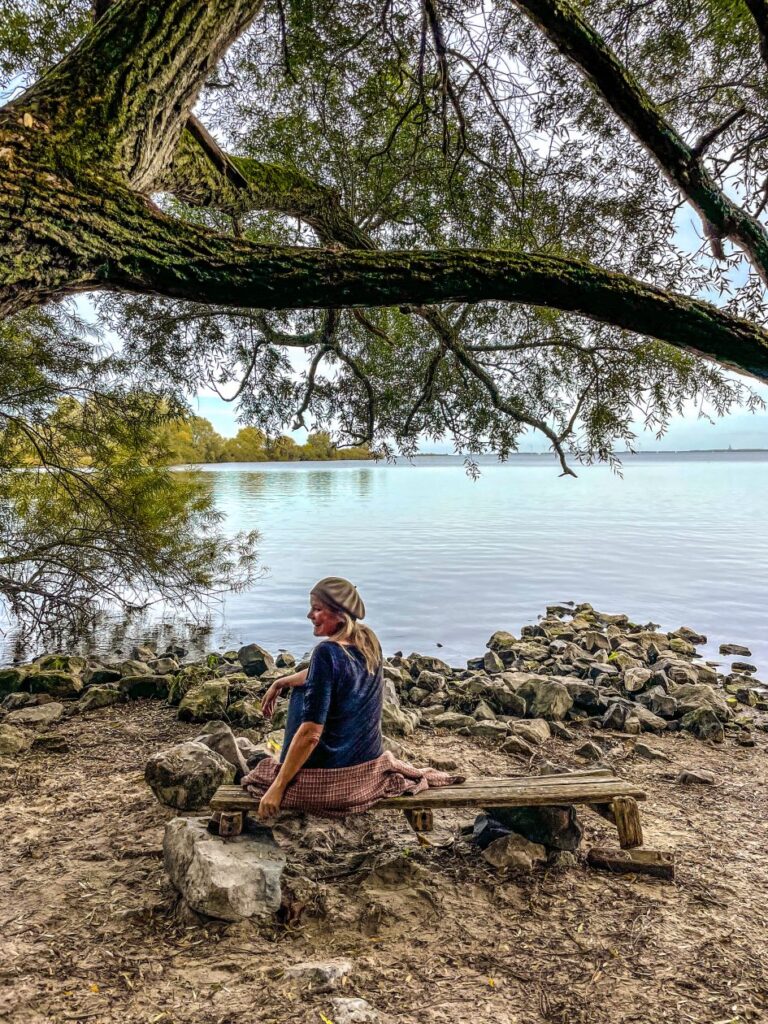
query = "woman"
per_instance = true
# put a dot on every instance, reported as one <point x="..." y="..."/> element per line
<point x="332" y="761"/>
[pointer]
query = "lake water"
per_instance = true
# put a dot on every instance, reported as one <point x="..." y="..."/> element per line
<point x="442" y="559"/>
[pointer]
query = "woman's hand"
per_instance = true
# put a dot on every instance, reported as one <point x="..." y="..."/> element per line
<point x="269" y="699"/>
<point x="269" y="804"/>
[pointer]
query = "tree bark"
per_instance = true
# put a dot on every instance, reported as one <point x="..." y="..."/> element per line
<point x="75" y="216"/>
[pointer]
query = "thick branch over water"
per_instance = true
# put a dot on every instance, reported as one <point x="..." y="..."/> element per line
<point x="576" y="38"/>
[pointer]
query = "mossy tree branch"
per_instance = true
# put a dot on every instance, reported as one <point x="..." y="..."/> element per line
<point x="579" y="41"/>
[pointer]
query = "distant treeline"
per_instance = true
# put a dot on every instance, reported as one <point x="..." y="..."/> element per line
<point x="194" y="440"/>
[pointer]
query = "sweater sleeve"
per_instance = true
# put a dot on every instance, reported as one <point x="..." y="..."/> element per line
<point x="318" y="688"/>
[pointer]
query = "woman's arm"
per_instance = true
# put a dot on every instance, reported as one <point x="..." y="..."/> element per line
<point x="269" y="699"/>
<point x="304" y="741"/>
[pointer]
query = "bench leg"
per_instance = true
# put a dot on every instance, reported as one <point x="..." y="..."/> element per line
<point x="419" y="820"/>
<point x="627" y="816"/>
<point x="226" y="823"/>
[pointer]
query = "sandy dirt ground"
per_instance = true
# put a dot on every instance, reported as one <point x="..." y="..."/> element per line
<point x="91" y="930"/>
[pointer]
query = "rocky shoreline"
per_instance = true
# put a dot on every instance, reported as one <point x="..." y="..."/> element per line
<point x="574" y="671"/>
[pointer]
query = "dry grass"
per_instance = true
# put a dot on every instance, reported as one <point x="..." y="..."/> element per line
<point x="91" y="930"/>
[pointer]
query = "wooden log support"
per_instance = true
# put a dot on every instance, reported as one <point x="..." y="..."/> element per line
<point x="636" y="862"/>
<point x="420" y="820"/>
<point x="231" y="823"/>
<point x="627" y="815"/>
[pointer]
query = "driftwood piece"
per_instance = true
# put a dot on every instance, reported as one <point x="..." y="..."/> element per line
<point x="627" y="816"/>
<point x="638" y="862"/>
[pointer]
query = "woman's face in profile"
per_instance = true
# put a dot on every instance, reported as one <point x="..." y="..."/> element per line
<point x="325" y="621"/>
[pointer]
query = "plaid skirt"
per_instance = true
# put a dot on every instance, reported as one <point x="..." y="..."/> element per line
<point x="338" y="792"/>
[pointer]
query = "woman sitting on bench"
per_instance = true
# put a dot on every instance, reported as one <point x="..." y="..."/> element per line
<point x="332" y="762"/>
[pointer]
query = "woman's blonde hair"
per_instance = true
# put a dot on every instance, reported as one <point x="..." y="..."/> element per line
<point x="360" y="636"/>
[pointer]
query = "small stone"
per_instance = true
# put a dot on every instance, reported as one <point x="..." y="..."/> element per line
<point x="743" y="666"/>
<point x="44" y="714"/>
<point x="14" y="701"/>
<point x="632" y="725"/>
<point x="745" y="739"/>
<point x="12" y="740"/>
<point x="560" y="732"/>
<point x="696" y="777"/>
<point x="517" y="745"/>
<point x="615" y="717"/>
<point x="444" y="764"/>
<point x="736" y="649"/>
<point x="354" y="1011"/>
<point x="562" y="860"/>
<point x="514" y="851"/>
<point x="246" y="713"/>
<point x="452" y="720"/>
<point x="144" y="653"/>
<point x="489" y="730"/>
<point x="320" y="976"/>
<point x="589" y="751"/>
<point x="649" y="753"/>
<point x="557" y="827"/>
<point x="430" y="681"/>
<point x="285" y="660"/>
<point x="164" y="666"/>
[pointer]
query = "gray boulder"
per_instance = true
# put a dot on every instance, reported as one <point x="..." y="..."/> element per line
<point x="219" y="737"/>
<point x="99" y="696"/>
<point x="12" y="740"/>
<point x="11" y="679"/>
<point x="230" y="879"/>
<point x="545" y="698"/>
<point x="397" y="721"/>
<point x="255" y="660"/>
<point x="492" y="662"/>
<point x="205" y="702"/>
<point x="187" y="775"/>
<point x="453" y="720"/>
<point x="164" y="666"/>
<point x="149" y="686"/>
<point x="692" y="696"/>
<point x="737" y="649"/>
<point x="57" y="684"/>
<point x="517" y="745"/>
<point x="42" y="714"/>
<point x="704" y="723"/>
<point x="536" y="731"/>
<point x="636" y="679"/>
<point x="134" y="667"/>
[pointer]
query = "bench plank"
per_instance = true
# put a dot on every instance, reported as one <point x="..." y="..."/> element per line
<point x="518" y="791"/>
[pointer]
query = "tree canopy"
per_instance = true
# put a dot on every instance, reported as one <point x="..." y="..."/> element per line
<point x="397" y="219"/>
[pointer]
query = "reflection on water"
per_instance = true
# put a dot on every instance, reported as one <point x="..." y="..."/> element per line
<point x="442" y="559"/>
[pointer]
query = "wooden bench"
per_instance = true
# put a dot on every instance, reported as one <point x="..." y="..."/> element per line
<point x="598" y="789"/>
